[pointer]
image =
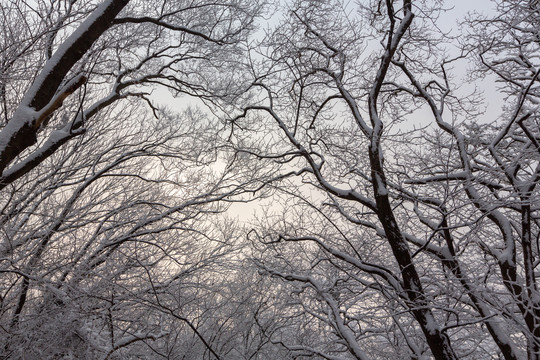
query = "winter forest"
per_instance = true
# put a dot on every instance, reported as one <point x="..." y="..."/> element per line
<point x="266" y="180"/>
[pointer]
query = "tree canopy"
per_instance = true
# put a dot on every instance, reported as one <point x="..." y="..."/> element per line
<point x="325" y="181"/>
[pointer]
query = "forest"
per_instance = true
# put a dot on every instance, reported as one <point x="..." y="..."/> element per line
<point x="265" y="180"/>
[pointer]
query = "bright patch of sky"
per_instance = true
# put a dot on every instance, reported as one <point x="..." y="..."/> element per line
<point x="450" y="21"/>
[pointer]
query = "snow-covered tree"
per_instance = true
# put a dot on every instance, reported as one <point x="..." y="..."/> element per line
<point x="397" y="218"/>
<point x="411" y="227"/>
<point x="111" y="235"/>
